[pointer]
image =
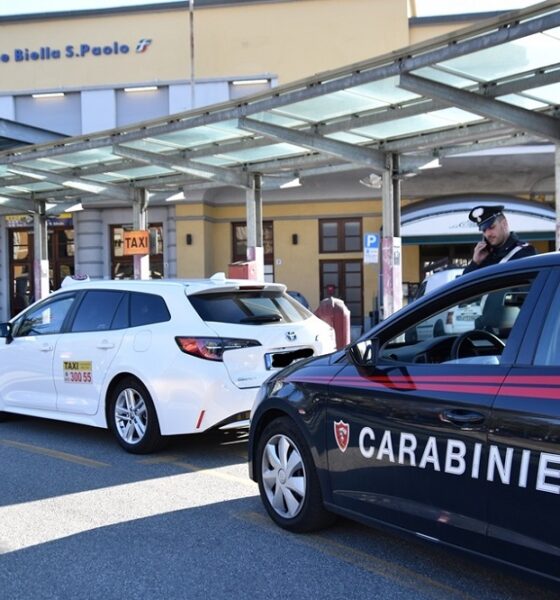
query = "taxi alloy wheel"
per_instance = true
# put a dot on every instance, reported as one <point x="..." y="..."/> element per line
<point x="288" y="481"/>
<point x="132" y="417"/>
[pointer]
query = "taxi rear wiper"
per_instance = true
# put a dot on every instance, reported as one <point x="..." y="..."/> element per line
<point x="272" y="318"/>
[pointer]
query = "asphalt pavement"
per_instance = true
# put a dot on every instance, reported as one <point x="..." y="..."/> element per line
<point x="80" y="519"/>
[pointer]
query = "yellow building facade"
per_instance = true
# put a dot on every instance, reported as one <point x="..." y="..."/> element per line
<point x="239" y="47"/>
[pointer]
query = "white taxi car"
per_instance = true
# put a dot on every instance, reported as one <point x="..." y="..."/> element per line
<point x="153" y="358"/>
<point x="454" y="320"/>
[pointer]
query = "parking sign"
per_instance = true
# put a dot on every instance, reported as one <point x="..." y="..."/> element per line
<point x="371" y="248"/>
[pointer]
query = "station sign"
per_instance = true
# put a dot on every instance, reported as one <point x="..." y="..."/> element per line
<point x="73" y="51"/>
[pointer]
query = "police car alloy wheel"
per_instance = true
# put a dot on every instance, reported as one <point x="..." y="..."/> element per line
<point x="288" y="481"/>
<point x="132" y="417"/>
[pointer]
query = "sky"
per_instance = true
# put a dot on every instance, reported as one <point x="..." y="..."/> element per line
<point x="423" y="7"/>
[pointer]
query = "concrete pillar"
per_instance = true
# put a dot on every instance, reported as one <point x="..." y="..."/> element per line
<point x="255" y="251"/>
<point x="391" y="251"/>
<point x="41" y="252"/>
<point x="139" y="222"/>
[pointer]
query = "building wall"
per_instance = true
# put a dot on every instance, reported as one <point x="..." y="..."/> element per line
<point x="290" y="39"/>
<point x="421" y="33"/>
<point x="297" y="266"/>
<point x="92" y="58"/>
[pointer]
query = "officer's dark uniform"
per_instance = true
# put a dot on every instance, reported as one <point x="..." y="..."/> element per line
<point x="484" y="216"/>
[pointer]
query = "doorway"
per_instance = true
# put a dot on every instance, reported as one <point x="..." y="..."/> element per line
<point x="61" y="251"/>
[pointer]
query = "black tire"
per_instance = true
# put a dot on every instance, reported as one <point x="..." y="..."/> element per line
<point x="4" y="416"/>
<point x="288" y="481"/>
<point x="132" y="417"/>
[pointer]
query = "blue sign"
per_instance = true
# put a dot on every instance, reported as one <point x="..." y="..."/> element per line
<point x="82" y="50"/>
<point x="371" y="248"/>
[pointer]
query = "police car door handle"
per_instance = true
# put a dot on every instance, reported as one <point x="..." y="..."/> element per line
<point x="462" y="417"/>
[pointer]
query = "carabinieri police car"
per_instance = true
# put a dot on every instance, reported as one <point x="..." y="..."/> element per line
<point x="454" y="438"/>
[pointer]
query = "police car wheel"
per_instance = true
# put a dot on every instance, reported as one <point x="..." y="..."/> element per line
<point x="132" y="417"/>
<point x="288" y="482"/>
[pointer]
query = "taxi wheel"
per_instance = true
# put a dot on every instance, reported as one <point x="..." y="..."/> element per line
<point x="288" y="482"/>
<point x="4" y="416"/>
<point x="132" y="417"/>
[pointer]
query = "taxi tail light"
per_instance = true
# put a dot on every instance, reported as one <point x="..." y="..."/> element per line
<point x="212" y="348"/>
<point x="449" y="319"/>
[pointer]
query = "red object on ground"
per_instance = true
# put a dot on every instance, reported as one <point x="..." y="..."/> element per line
<point x="334" y="312"/>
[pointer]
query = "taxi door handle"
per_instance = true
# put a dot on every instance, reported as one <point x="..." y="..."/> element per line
<point x="463" y="418"/>
<point x="46" y="348"/>
<point x="105" y="345"/>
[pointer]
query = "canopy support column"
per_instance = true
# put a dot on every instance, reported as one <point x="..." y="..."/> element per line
<point x="391" y="252"/>
<point x="139" y="217"/>
<point x="255" y="251"/>
<point x="41" y="251"/>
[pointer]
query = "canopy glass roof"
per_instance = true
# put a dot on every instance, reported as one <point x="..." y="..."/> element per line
<point x="497" y="81"/>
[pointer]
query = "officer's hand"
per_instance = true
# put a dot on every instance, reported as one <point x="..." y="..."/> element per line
<point x="481" y="251"/>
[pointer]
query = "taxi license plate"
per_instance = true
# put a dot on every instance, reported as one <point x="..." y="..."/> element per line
<point x="278" y="360"/>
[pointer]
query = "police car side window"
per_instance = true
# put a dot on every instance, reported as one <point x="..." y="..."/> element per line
<point x="548" y="348"/>
<point x="474" y="330"/>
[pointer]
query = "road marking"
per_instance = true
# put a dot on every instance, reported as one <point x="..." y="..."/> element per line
<point x="400" y="574"/>
<point x="216" y="472"/>
<point x="74" y="458"/>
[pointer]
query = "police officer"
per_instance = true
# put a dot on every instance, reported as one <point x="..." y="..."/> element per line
<point x="498" y="244"/>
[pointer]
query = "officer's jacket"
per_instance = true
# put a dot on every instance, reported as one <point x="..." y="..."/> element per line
<point x="498" y="255"/>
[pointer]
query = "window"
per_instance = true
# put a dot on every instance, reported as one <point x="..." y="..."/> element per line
<point x="344" y="279"/>
<point x="97" y="311"/>
<point x="473" y="330"/>
<point x="340" y="235"/>
<point x="441" y="256"/>
<point x="146" y="309"/>
<point x="61" y="262"/>
<point x="239" y="237"/>
<point x="122" y="267"/>
<point x="248" y="307"/>
<point x="548" y="349"/>
<point x="46" y="318"/>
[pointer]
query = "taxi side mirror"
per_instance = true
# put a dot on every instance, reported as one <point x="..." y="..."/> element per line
<point x="364" y="353"/>
<point x="6" y="332"/>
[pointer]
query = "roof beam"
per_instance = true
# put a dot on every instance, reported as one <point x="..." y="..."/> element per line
<point x="514" y="26"/>
<point x="436" y="139"/>
<point x="354" y="154"/>
<point x="520" y="118"/>
<point x="84" y="185"/>
<point x="174" y="163"/>
<point x="9" y="204"/>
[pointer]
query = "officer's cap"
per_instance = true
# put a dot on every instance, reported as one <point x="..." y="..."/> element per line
<point x="484" y="216"/>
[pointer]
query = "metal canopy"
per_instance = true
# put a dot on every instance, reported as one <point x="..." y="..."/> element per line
<point x="486" y="85"/>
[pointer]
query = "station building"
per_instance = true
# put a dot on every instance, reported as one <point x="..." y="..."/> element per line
<point x="68" y="74"/>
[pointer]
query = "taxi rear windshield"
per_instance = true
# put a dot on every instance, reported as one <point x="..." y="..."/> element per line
<point x="249" y="308"/>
